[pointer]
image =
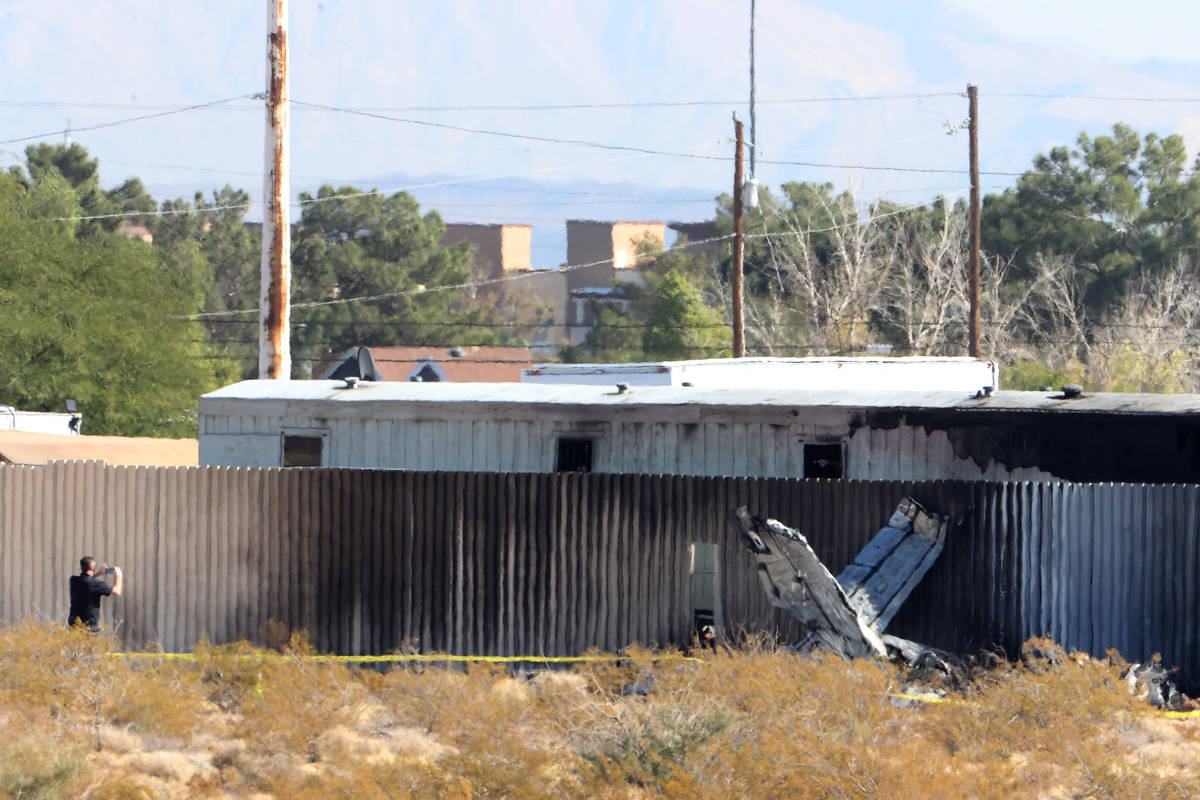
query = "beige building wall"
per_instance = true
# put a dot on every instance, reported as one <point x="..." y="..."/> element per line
<point x="495" y="249"/>
<point x="614" y="243"/>
<point x="516" y="247"/>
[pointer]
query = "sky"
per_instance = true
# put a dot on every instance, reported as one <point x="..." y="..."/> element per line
<point x="864" y="94"/>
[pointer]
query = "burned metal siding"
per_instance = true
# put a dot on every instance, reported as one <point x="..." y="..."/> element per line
<point x="1078" y="447"/>
<point x="491" y="563"/>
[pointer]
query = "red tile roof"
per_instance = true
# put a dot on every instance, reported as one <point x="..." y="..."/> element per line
<point x="475" y="365"/>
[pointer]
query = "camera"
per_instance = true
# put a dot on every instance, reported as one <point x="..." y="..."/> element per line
<point x="110" y="570"/>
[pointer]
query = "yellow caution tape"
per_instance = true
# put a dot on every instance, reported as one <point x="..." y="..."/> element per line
<point x="411" y="657"/>
<point x="920" y="697"/>
<point x="1180" y="714"/>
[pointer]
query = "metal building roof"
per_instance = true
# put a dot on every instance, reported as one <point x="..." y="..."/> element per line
<point x="525" y="394"/>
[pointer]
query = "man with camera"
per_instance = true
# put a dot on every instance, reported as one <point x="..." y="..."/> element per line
<point x="87" y="589"/>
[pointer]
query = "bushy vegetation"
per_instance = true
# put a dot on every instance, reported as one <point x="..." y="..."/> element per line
<point x="240" y="721"/>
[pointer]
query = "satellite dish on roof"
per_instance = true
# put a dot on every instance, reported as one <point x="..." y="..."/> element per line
<point x="366" y="364"/>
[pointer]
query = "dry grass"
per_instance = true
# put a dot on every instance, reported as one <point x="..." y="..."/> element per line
<point x="245" y="722"/>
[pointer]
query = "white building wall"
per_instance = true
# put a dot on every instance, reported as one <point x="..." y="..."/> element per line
<point x="626" y="445"/>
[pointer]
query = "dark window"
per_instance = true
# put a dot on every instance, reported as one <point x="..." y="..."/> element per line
<point x="301" y="451"/>
<point x="823" y="461"/>
<point x="574" y="455"/>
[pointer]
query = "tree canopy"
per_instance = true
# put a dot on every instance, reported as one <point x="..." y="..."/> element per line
<point x="95" y="319"/>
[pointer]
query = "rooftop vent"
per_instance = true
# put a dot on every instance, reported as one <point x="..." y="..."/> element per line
<point x="1072" y="391"/>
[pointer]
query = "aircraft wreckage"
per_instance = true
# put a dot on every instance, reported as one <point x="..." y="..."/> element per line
<point x="848" y="614"/>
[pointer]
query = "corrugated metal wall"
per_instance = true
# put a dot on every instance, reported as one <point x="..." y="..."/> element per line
<point x="488" y="563"/>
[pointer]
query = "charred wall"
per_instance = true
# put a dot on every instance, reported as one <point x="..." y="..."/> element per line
<point x="1085" y="448"/>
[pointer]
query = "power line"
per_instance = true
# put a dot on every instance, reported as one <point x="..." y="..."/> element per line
<point x="610" y="106"/>
<point x="120" y="106"/>
<point x="126" y="121"/>
<point x="1098" y="97"/>
<point x="523" y="275"/>
<point x="641" y="150"/>
<point x="510" y="135"/>
<point x="882" y="168"/>
<point x="448" y="287"/>
<point x="645" y="104"/>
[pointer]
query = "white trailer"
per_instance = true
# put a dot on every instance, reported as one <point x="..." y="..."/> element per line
<point x="920" y="374"/>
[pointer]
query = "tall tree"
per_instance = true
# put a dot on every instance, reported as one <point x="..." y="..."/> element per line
<point x="351" y="244"/>
<point x="1120" y="206"/>
<point x="97" y="320"/>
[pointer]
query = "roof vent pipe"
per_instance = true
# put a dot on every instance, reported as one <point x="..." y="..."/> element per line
<point x="1071" y="391"/>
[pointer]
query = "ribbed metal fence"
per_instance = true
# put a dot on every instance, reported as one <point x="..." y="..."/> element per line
<point x="543" y="564"/>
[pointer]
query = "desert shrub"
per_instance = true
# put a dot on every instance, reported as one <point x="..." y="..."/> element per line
<point x="161" y="699"/>
<point x="230" y="673"/>
<point x="753" y="722"/>
<point x="37" y="766"/>
<point x="297" y="698"/>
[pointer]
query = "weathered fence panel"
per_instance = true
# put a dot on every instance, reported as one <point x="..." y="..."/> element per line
<point x="539" y="564"/>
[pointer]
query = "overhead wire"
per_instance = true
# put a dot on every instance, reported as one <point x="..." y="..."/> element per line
<point x="643" y="104"/>
<point x="532" y="273"/>
<point x="447" y="287"/>
<point x="126" y="121"/>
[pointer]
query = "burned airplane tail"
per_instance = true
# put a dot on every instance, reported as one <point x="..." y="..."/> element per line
<point x="848" y="614"/>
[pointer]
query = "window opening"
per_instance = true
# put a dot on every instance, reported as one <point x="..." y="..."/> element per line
<point x="574" y="455"/>
<point x="302" y="451"/>
<point x="823" y="461"/>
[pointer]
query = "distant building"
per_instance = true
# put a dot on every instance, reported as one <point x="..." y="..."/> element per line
<point x="495" y="249"/>
<point x="503" y="251"/>
<point x="133" y="231"/>
<point x="700" y="232"/>
<point x="608" y="249"/>
<point x="431" y="364"/>
<point x="582" y="305"/>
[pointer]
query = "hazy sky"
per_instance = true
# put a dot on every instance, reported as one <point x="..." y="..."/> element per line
<point x="99" y="62"/>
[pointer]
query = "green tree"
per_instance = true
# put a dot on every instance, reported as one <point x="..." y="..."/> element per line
<point x="674" y="312"/>
<point x="352" y="244"/>
<point x="98" y="320"/>
<point x="1120" y="206"/>
<point x="50" y="163"/>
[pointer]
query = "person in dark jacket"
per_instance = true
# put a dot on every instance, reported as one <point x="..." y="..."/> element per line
<point x="87" y="589"/>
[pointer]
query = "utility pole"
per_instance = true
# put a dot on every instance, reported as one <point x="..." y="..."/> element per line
<point x="973" y="238"/>
<point x="274" y="346"/>
<point x="739" y="345"/>
<point x="753" y="127"/>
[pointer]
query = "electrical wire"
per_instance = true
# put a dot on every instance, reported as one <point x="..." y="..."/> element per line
<point x="639" y="150"/>
<point x="645" y="104"/>
<point x="115" y="123"/>
<point x="121" y="106"/>
<point x="510" y="135"/>
<point x="1098" y="97"/>
<point x="447" y="287"/>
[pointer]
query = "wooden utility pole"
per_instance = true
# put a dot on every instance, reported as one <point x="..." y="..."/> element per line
<point x="739" y="345"/>
<point x="973" y="238"/>
<point x="274" y="347"/>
